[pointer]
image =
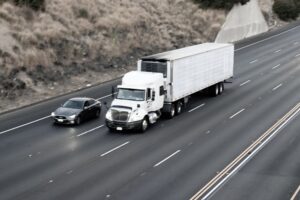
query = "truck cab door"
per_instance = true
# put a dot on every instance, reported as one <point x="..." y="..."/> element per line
<point x="149" y="99"/>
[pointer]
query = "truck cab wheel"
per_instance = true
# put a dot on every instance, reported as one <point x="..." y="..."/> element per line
<point x="144" y="125"/>
<point x="178" y="107"/>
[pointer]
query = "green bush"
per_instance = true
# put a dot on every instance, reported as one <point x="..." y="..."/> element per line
<point x="220" y="4"/>
<point x="286" y="10"/>
<point x="34" y="4"/>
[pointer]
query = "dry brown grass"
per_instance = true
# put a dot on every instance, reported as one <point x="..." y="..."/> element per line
<point x="72" y="36"/>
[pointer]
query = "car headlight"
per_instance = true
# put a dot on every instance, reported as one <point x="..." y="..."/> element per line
<point x="52" y="114"/>
<point x="108" y="115"/>
<point x="72" y="117"/>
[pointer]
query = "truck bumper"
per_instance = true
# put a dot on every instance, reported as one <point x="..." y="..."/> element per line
<point x="123" y="125"/>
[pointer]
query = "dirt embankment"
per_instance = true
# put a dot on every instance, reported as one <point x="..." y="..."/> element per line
<point x="77" y="42"/>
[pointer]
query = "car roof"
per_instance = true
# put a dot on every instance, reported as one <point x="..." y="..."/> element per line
<point x="81" y="99"/>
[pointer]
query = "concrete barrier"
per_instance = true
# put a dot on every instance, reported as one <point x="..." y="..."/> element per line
<point x="242" y="22"/>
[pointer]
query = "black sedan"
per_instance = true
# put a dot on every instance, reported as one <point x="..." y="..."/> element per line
<point x="76" y="110"/>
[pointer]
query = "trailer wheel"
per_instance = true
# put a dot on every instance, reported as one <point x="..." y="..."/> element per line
<point x="178" y="107"/>
<point x="215" y="90"/>
<point x="172" y="111"/>
<point x="221" y="87"/>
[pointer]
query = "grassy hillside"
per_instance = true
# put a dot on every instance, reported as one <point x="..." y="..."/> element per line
<point x="72" y="38"/>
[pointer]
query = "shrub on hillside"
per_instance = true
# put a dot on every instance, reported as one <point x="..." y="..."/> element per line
<point x="220" y="4"/>
<point x="286" y="10"/>
<point x="34" y="4"/>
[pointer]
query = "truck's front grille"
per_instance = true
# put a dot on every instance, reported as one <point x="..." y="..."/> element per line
<point x="120" y="115"/>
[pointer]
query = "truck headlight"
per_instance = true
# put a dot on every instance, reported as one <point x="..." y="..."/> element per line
<point x="108" y="115"/>
<point x="134" y="117"/>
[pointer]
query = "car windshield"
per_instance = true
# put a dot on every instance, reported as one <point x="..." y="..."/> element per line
<point x="131" y="94"/>
<point x="73" y="104"/>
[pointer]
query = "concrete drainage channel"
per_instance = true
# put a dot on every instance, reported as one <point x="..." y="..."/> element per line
<point x="214" y="184"/>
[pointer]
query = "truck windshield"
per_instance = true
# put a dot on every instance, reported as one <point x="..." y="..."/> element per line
<point x="131" y="94"/>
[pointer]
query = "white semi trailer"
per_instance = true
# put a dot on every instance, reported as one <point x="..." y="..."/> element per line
<point x="164" y="82"/>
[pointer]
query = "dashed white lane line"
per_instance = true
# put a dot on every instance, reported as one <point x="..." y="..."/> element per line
<point x="237" y="113"/>
<point x="277" y="51"/>
<point x="296" y="193"/>
<point x="278" y="86"/>
<point x="118" y="147"/>
<point x="24" y="125"/>
<point x="91" y="130"/>
<point x="276" y="66"/>
<point x="295" y="43"/>
<point x="197" y="107"/>
<point x="253" y="61"/>
<point x="167" y="158"/>
<point x="297" y="55"/>
<point x="245" y="83"/>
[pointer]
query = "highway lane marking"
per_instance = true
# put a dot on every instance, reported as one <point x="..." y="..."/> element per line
<point x="296" y="193"/>
<point x="105" y="96"/>
<point x="277" y="51"/>
<point x="17" y="127"/>
<point x="197" y="107"/>
<point x="37" y="120"/>
<point x="167" y="158"/>
<point x="253" y="61"/>
<point x="278" y="86"/>
<point x="276" y="66"/>
<point x="249" y="45"/>
<point x="295" y="43"/>
<point x="245" y="83"/>
<point x="246" y="154"/>
<point x="91" y="130"/>
<point x="237" y="113"/>
<point x="297" y="55"/>
<point x="118" y="147"/>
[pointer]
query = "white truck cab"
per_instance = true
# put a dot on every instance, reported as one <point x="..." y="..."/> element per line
<point x="138" y="102"/>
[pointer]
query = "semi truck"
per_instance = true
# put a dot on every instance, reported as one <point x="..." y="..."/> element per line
<point x="164" y="82"/>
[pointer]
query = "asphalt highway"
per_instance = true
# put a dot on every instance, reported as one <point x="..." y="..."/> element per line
<point x="199" y="154"/>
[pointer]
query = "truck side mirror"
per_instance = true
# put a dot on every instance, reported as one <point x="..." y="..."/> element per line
<point x="153" y="95"/>
<point x="105" y="104"/>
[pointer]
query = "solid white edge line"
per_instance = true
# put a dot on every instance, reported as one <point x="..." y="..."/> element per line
<point x="278" y="86"/>
<point x="244" y="83"/>
<point x="253" y="61"/>
<point x="167" y="158"/>
<point x="276" y="66"/>
<point x="251" y="155"/>
<point x="249" y="45"/>
<point x="2" y="132"/>
<point x="105" y="96"/>
<point x="86" y="132"/>
<point x="197" y="107"/>
<point x="296" y="193"/>
<point x="232" y="116"/>
<point x="118" y="147"/>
